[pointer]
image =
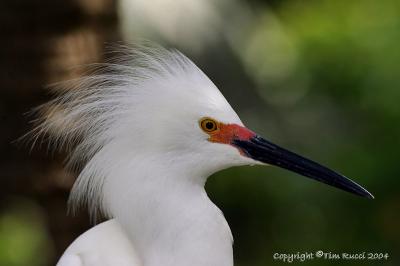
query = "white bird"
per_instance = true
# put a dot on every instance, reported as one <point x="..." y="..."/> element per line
<point x="150" y="128"/>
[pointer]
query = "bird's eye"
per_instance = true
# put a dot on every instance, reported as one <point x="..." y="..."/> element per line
<point x="208" y="125"/>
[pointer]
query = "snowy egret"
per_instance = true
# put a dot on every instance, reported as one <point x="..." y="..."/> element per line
<point x="150" y="128"/>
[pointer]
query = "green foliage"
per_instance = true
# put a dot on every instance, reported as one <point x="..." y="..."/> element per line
<point x="331" y="69"/>
<point x="23" y="238"/>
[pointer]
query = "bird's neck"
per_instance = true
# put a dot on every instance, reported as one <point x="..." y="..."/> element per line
<point x="171" y="223"/>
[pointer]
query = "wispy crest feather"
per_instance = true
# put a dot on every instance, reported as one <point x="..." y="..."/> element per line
<point x="89" y="113"/>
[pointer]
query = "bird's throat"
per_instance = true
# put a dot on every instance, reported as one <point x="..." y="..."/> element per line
<point x="173" y="224"/>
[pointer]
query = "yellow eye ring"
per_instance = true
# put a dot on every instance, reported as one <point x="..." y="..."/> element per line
<point x="208" y="125"/>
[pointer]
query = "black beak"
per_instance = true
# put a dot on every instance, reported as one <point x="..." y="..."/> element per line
<point x="264" y="151"/>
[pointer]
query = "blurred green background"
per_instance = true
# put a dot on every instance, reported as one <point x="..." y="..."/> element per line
<point x="318" y="77"/>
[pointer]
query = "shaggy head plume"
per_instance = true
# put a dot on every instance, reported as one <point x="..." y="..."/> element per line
<point x="94" y="116"/>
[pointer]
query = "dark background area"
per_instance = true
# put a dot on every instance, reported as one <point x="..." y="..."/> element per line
<point x="319" y="77"/>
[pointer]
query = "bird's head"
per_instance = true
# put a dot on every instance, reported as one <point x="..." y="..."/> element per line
<point x="156" y="104"/>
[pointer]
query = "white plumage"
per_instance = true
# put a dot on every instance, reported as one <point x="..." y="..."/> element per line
<point x="134" y="122"/>
<point x="148" y="128"/>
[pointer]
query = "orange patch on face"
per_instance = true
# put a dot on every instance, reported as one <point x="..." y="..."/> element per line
<point x="226" y="133"/>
